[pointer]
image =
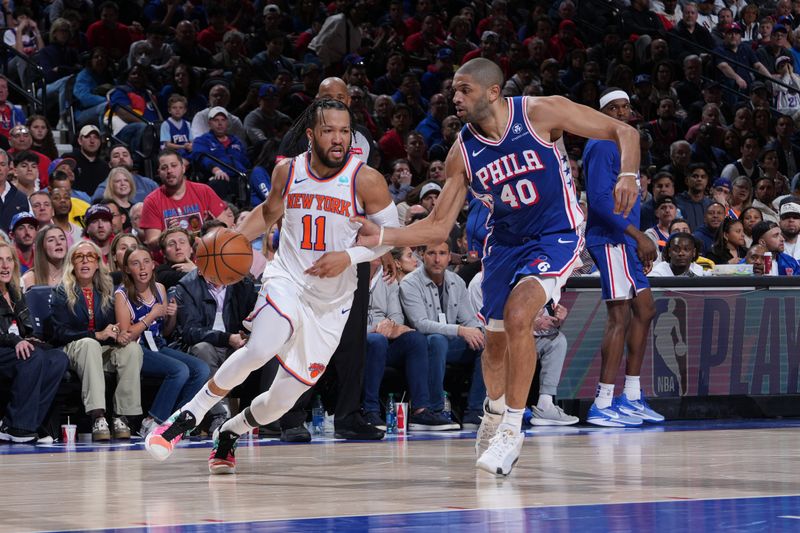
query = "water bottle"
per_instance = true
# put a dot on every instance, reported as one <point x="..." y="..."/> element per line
<point x="447" y="410"/>
<point x="317" y="416"/>
<point x="391" y="416"/>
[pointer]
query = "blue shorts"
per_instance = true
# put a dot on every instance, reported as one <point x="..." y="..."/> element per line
<point x="550" y="258"/>
<point x="621" y="273"/>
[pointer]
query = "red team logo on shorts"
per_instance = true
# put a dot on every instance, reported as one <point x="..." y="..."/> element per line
<point x="315" y="370"/>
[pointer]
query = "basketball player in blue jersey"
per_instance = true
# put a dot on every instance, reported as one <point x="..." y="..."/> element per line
<point x="510" y="153"/>
<point x="308" y="288"/>
<point x="622" y="254"/>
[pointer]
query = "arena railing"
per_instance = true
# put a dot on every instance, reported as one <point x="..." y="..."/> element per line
<point x="38" y="85"/>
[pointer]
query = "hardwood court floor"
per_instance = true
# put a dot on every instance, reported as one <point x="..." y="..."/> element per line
<point x="122" y="487"/>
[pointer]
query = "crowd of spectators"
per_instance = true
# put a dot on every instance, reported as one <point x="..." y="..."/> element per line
<point x="219" y="85"/>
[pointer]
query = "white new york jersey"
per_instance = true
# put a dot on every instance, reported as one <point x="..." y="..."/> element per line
<point x="316" y="220"/>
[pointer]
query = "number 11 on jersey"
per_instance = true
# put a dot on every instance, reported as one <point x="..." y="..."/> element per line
<point x="317" y="225"/>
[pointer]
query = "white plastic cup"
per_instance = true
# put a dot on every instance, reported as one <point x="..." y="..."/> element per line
<point x="69" y="433"/>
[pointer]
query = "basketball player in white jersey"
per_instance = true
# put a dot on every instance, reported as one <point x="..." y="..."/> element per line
<point x="308" y="288"/>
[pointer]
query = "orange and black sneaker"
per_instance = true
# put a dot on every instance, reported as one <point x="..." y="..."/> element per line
<point x="161" y="442"/>
<point x="223" y="455"/>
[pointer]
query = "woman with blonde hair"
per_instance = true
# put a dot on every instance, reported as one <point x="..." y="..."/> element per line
<point x="49" y="251"/>
<point x="121" y="188"/>
<point x="35" y="370"/>
<point x="84" y="323"/>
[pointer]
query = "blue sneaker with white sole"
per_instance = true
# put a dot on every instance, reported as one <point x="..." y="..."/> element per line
<point x="611" y="417"/>
<point x="638" y="408"/>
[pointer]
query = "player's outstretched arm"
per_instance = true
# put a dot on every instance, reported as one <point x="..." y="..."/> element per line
<point x="554" y="114"/>
<point x="271" y="209"/>
<point x="435" y="227"/>
<point x="373" y="194"/>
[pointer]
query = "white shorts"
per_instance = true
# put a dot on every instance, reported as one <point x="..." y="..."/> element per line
<point x="315" y="332"/>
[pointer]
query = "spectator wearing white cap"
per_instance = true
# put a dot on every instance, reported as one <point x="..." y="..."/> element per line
<point x="90" y="169"/>
<point x="428" y="195"/>
<point x="222" y="146"/>
<point x="790" y="225"/>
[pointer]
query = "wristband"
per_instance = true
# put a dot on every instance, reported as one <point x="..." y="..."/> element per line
<point x="633" y="174"/>
<point x="380" y="239"/>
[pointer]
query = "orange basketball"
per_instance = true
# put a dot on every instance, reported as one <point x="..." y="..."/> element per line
<point x="224" y="256"/>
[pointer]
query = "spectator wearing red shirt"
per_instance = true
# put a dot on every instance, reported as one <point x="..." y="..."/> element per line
<point x="490" y="45"/>
<point x="500" y="16"/>
<point x="211" y="37"/>
<point x="10" y="114"/>
<point x="425" y="42"/>
<point x="565" y="41"/>
<point x="108" y="33"/>
<point x="21" y="140"/>
<point x="178" y="202"/>
<point x="392" y="143"/>
<point x="414" y="23"/>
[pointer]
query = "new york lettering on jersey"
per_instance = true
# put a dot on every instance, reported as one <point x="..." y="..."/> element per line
<point x="317" y="220"/>
<point x="525" y="181"/>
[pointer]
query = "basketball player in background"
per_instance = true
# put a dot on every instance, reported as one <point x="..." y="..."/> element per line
<point x="622" y="254"/>
<point x="308" y="288"/>
<point x="511" y="154"/>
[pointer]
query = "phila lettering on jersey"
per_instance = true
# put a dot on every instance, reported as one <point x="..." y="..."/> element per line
<point x="316" y="220"/>
<point x="525" y="181"/>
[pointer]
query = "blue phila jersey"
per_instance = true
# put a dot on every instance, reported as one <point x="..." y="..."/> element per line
<point x="524" y="181"/>
<point x="601" y="164"/>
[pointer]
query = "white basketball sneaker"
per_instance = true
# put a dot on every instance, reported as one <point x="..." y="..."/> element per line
<point x="489" y="424"/>
<point x="502" y="453"/>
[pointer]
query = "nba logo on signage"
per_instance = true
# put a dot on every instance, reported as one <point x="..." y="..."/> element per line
<point x="670" y="348"/>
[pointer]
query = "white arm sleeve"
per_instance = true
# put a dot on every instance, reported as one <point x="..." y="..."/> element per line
<point x="385" y="217"/>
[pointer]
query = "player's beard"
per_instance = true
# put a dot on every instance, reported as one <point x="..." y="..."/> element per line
<point x="478" y="112"/>
<point x="328" y="162"/>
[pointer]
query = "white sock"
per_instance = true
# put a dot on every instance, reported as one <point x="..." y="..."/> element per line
<point x="498" y="406"/>
<point x="202" y="402"/>
<point x="238" y="425"/>
<point x="513" y="418"/>
<point x="545" y="401"/>
<point x="633" y="389"/>
<point x="604" y="395"/>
